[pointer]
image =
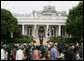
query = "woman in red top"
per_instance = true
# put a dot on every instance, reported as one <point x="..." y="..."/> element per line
<point x="36" y="55"/>
<point x="14" y="54"/>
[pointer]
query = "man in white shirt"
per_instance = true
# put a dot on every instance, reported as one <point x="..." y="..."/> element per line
<point x="4" y="54"/>
<point x="20" y="54"/>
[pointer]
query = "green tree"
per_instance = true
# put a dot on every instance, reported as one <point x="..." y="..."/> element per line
<point x="74" y="24"/>
<point x="8" y="23"/>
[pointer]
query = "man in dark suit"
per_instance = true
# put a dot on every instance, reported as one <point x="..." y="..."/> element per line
<point x="41" y="38"/>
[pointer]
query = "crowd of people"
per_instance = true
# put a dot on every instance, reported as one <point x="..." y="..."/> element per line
<point x="52" y="51"/>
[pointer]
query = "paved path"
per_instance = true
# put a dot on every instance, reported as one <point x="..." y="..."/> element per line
<point x="38" y="42"/>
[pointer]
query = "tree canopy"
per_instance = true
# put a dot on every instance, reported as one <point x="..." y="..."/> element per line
<point x="8" y="23"/>
<point x="74" y="24"/>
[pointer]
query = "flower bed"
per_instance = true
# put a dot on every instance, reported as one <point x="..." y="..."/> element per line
<point x="33" y="41"/>
<point x="48" y="41"/>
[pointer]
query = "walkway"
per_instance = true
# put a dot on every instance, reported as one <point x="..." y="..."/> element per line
<point x="38" y="42"/>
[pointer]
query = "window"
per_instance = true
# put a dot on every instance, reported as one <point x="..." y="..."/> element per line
<point x="29" y="33"/>
<point x="53" y="31"/>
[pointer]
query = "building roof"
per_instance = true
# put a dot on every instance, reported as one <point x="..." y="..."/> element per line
<point x="48" y="10"/>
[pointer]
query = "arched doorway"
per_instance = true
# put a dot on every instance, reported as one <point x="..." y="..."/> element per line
<point x="41" y="31"/>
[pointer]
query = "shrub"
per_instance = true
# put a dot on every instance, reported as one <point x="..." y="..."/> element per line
<point x="18" y="40"/>
<point x="64" y="40"/>
<point x="52" y="39"/>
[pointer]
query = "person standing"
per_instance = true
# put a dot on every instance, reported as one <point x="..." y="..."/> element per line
<point x="77" y="47"/>
<point x="42" y="49"/>
<point x="20" y="54"/>
<point x="47" y="55"/>
<point x="54" y="53"/>
<point x="41" y="38"/>
<point x="14" y="53"/>
<point x="4" y="54"/>
<point x="70" y="54"/>
<point x="36" y="55"/>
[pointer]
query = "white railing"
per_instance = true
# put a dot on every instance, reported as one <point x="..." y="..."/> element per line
<point x="41" y="18"/>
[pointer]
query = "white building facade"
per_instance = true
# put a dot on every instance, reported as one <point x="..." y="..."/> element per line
<point x="48" y="21"/>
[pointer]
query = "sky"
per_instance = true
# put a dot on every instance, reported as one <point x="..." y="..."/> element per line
<point x="26" y="7"/>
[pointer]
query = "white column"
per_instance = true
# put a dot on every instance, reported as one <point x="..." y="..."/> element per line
<point x="11" y="34"/>
<point x="70" y="36"/>
<point x="53" y="32"/>
<point x="47" y="27"/>
<point x="35" y="32"/>
<point x="22" y="29"/>
<point x="59" y="30"/>
<point x="56" y="31"/>
<point x="29" y="31"/>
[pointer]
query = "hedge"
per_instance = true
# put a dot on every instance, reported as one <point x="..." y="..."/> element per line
<point x="17" y="40"/>
<point x="64" y="40"/>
